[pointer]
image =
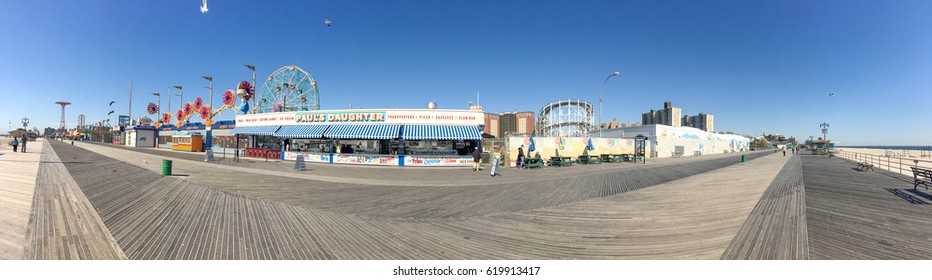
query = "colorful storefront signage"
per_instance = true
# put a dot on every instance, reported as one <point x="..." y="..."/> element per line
<point x="308" y="157"/>
<point x="418" y="116"/>
<point x="438" y="160"/>
<point x="366" y="117"/>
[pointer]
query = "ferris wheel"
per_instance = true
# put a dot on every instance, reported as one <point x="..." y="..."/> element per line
<point x="289" y="88"/>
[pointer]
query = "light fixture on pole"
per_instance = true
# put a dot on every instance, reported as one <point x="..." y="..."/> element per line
<point x="180" y="97"/>
<point x="254" y="85"/>
<point x="210" y="117"/>
<point x="600" y="100"/>
<point x="158" y="116"/>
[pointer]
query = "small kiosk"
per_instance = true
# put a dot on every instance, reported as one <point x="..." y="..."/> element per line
<point x="188" y="142"/>
<point x="140" y="136"/>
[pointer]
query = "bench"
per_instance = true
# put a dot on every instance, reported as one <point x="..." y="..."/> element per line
<point x="560" y="161"/>
<point x="865" y="165"/>
<point x="606" y="158"/>
<point x="533" y="162"/>
<point x="588" y="159"/>
<point x="921" y="176"/>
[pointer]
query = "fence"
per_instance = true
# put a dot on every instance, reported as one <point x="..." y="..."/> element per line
<point x="892" y="164"/>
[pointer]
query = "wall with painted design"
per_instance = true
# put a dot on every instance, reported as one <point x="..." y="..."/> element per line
<point x="568" y="146"/>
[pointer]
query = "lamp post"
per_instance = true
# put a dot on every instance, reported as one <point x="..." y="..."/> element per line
<point x="180" y="97"/>
<point x="600" y="100"/>
<point x="253" y="68"/>
<point x="158" y="117"/>
<point x="210" y="117"/>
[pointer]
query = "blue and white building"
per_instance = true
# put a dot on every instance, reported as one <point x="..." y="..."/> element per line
<point x="399" y="137"/>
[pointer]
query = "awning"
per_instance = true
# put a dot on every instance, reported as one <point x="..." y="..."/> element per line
<point x="255" y="130"/>
<point x="372" y="131"/>
<point x="301" y="131"/>
<point x="441" y="132"/>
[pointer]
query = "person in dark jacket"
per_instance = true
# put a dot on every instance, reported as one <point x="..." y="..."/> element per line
<point x="521" y="157"/>
<point x="23" y="144"/>
<point x="476" y="157"/>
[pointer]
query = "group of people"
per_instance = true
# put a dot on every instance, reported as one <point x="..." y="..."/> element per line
<point x="496" y="159"/>
<point x="16" y="144"/>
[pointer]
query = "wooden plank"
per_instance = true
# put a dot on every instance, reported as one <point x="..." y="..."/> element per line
<point x="18" y="173"/>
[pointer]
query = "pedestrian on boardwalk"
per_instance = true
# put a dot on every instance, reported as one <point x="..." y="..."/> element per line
<point x="521" y="156"/>
<point x="476" y="157"/>
<point x="23" y="143"/>
<point x="15" y="144"/>
<point x="784" y="152"/>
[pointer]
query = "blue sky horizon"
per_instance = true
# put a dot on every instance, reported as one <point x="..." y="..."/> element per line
<point x="757" y="66"/>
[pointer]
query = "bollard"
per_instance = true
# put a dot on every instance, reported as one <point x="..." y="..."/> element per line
<point x="744" y="158"/>
<point x="166" y="167"/>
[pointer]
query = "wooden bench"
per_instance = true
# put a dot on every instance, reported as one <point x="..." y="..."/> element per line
<point x="589" y="159"/>
<point x="921" y="176"/>
<point x="865" y="165"/>
<point x="533" y="162"/>
<point x="606" y="158"/>
<point x="560" y="161"/>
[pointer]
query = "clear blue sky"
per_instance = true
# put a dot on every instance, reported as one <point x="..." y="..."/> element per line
<point x="758" y="66"/>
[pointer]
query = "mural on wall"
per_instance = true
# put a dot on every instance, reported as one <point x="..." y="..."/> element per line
<point x="567" y="146"/>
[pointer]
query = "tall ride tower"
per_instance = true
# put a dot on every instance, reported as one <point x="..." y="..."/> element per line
<point x="61" y="126"/>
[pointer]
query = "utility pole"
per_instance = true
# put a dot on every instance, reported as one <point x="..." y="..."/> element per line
<point x="130" y="103"/>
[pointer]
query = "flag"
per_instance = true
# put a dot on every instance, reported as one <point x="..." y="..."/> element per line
<point x="531" y="147"/>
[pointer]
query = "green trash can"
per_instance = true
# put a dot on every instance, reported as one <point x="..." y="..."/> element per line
<point x="166" y="167"/>
<point x="744" y="158"/>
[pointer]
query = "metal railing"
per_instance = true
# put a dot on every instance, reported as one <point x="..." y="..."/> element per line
<point x="892" y="164"/>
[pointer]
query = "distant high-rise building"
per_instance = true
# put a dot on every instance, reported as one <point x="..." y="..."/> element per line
<point x="669" y="115"/>
<point x="615" y="124"/>
<point x="492" y="125"/>
<point x="511" y="123"/>
<point x="700" y="121"/>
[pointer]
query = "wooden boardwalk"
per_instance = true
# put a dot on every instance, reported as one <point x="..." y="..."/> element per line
<point x="776" y="228"/>
<point x="864" y="215"/>
<point x="18" y="172"/>
<point x="650" y="214"/>
<point x="62" y="223"/>
<point x="772" y="207"/>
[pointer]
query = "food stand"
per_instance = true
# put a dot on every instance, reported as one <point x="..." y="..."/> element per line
<point x="188" y="142"/>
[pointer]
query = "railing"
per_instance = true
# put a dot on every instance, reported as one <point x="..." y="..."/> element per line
<point x="892" y="164"/>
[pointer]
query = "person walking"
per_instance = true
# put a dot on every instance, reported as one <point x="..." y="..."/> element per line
<point x="521" y="157"/>
<point x="23" y="144"/>
<point x="784" y="152"/>
<point x="476" y="157"/>
<point x="15" y="144"/>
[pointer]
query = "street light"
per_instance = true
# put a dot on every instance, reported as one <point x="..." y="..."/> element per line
<point x="210" y="117"/>
<point x="180" y="97"/>
<point x="253" y="68"/>
<point x="600" y="100"/>
<point x="158" y="117"/>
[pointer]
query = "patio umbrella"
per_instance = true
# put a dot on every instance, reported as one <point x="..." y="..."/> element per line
<point x="531" y="148"/>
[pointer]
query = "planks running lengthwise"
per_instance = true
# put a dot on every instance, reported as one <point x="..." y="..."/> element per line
<point x="776" y="228"/>
<point x="63" y="224"/>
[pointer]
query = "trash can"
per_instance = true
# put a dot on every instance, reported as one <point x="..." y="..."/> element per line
<point x="166" y="167"/>
<point x="743" y="158"/>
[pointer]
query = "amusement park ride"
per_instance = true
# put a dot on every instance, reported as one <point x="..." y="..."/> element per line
<point x="289" y="88"/>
